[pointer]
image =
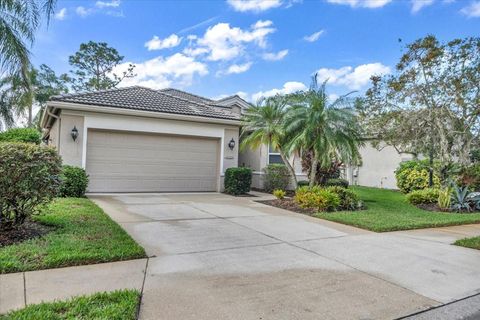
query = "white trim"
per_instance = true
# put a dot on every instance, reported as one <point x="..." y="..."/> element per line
<point x="140" y="113"/>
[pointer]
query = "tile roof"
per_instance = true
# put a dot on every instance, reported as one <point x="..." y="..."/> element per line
<point x="145" y="99"/>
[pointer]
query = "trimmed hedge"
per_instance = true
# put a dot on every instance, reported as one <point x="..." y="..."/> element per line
<point x="238" y="180"/>
<point x="29" y="177"/>
<point x="74" y="182"/>
<point x="276" y="177"/>
<point x="27" y="135"/>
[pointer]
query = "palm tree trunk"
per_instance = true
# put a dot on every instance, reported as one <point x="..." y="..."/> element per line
<point x="290" y="169"/>
<point x="313" y="170"/>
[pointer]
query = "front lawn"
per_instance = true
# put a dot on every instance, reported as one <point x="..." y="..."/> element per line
<point x="82" y="234"/>
<point x="121" y="305"/>
<point x="473" y="243"/>
<point x="387" y="210"/>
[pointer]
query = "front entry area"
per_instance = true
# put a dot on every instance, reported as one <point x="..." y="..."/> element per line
<point x="122" y="161"/>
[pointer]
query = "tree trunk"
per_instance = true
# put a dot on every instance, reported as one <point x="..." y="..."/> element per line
<point x="290" y="169"/>
<point x="313" y="170"/>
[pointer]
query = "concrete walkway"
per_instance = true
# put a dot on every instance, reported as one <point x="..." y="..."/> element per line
<point x="213" y="256"/>
<point x="20" y="289"/>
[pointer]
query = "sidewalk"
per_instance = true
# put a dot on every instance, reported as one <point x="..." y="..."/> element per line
<point x="20" y="289"/>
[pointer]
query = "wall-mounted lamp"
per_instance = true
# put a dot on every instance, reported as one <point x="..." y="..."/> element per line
<point x="74" y="133"/>
<point x="231" y="144"/>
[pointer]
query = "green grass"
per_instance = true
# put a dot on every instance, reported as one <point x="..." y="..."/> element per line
<point x="83" y="234"/>
<point x="121" y="305"/>
<point x="388" y="210"/>
<point x="473" y="243"/>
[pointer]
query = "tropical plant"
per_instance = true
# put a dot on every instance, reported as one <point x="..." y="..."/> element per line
<point x="95" y="65"/>
<point x="423" y="196"/>
<point x="323" y="173"/>
<point x="317" y="198"/>
<point x="349" y="200"/>
<point x="330" y="130"/>
<point x="19" y="19"/>
<point x="279" y="194"/>
<point x="264" y="124"/>
<point x="414" y="175"/>
<point x="19" y="94"/>
<point x="445" y="198"/>
<point x="465" y="201"/>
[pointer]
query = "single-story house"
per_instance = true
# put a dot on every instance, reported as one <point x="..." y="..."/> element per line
<point x="137" y="139"/>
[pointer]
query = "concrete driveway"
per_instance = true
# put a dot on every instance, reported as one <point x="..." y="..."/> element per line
<point x="215" y="256"/>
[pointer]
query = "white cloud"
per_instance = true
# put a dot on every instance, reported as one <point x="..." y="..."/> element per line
<point x="223" y="42"/>
<point x="270" y="56"/>
<point x="241" y="94"/>
<point x="472" y="11"/>
<point x="418" y="5"/>
<point x="107" y="4"/>
<point x="314" y="36"/>
<point x="236" y="68"/>
<point x="288" y="87"/>
<point x="83" y="12"/>
<point x="61" y="14"/>
<point x="157" y="44"/>
<point x="352" y="78"/>
<point x="362" y="3"/>
<point x="254" y="5"/>
<point x="161" y="72"/>
<point x="262" y="24"/>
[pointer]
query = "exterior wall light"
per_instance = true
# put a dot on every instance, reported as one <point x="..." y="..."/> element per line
<point x="74" y="133"/>
<point x="231" y="144"/>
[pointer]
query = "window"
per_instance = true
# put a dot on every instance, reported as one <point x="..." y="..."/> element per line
<point x="274" y="156"/>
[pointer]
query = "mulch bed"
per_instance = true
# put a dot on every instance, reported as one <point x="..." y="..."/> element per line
<point x="289" y="204"/>
<point x="28" y="230"/>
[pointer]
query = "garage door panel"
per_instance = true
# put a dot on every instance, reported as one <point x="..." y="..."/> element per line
<point x="136" y="162"/>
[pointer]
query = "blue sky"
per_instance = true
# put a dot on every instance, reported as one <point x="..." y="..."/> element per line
<point x="253" y="47"/>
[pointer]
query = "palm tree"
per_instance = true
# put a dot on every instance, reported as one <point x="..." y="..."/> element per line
<point x="264" y="124"/>
<point x="19" y="19"/>
<point x="19" y="96"/>
<point x="331" y="131"/>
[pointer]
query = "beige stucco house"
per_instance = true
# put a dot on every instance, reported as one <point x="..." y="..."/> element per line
<point x="138" y="139"/>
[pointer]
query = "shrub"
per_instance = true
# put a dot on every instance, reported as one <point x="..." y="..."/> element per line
<point x="279" y="194"/>
<point x="470" y="176"/>
<point x="349" y="200"/>
<point x="414" y="175"/>
<point x="28" y="135"/>
<point x="276" y="177"/>
<point x="303" y="183"/>
<point x="445" y="199"/>
<point x="29" y="177"/>
<point x="74" y="182"/>
<point x="238" y="180"/>
<point x="318" y="198"/>
<point x="465" y="201"/>
<point x="424" y="196"/>
<point x="337" y="182"/>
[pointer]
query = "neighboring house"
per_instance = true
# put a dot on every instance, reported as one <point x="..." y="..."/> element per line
<point x="138" y="139"/>
<point x="378" y="167"/>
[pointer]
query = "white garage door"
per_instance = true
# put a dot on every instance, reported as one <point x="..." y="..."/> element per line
<point x="120" y="161"/>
